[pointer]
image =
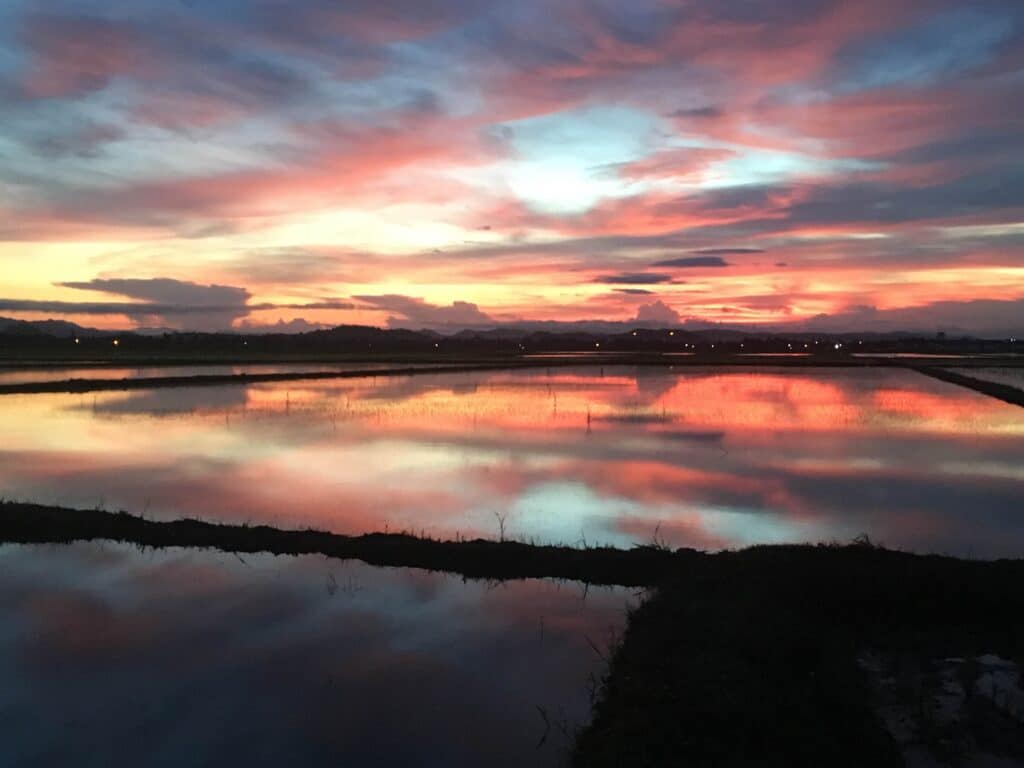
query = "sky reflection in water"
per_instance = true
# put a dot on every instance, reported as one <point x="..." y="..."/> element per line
<point x="111" y="656"/>
<point x="1013" y="377"/>
<point x="708" y="458"/>
<point x="38" y="374"/>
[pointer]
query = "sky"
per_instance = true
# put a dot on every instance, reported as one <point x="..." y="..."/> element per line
<point x="255" y="164"/>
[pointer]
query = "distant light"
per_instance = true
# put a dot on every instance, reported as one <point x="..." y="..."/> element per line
<point x="597" y="343"/>
<point x="671" y="333"/>
<point x="805" y="346"/>
<point x="634" y="333"/>
<point x="741" y="346"/>
<point x="77" y="341"/>
<point x="789" y="346"/>
<point x="116" y="342"/>
<point x="436" y="345"/>
<point x="712" y="346"/>
<point x="838" y="345"/>
<point x="245" y="343"/>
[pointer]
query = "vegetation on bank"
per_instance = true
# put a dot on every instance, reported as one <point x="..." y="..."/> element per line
<point x="751" y="658"/>
<point x="1003" y="392"/>
<point x="475" y="558"/>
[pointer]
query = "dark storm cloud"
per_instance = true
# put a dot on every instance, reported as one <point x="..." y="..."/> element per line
<point x="166" y="302"/>
<point x="693" y="261"/>
<point x="635" y="278"/>
<point x="412" y="312"/>
<point x="85" y="139"/>
<point x="726" y="251"/>
<point x="697" y="112"/>
<point x="166" y="291"/>
<point x="973" y="317"/>
<point x="980" y="193"/>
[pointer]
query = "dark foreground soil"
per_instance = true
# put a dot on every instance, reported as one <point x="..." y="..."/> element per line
<point x="756" y="658"/>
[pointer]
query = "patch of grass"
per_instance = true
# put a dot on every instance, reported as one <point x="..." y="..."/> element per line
<point x="1004" y="392"/>
<point x="751" y="659"/>
<point x="477" y="558"/>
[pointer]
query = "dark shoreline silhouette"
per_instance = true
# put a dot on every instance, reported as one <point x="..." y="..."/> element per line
<point x="26" y="342"/>
<point x="1004" y="392"/>
<point x="757" y="657"/>
<point x="477" y="558"/>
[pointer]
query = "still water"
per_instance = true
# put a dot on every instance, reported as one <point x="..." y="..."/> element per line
<point x="705" y="457"/>
<point x="113" y="657"/>
<point x="1013" y="377"/>
<point x="40" y="374"/>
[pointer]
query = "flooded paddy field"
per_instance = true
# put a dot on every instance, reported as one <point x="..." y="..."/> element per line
<point x="184" y="656"/>
<point x="701" y="457"/>
<point x="134" y="655"/>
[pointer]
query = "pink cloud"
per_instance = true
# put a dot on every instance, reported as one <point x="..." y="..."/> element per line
<point x="72" y="56"/>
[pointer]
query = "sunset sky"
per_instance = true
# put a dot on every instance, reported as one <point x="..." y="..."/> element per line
<point x="212" y="164"/>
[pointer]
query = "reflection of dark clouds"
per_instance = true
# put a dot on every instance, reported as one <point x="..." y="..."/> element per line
<point x="934" y="513"/>
<point x="398" y="388"/>
<point x="652" y="384"/>
<point x="685" y="435"/>
<point x="200" y="659"/>
<point x="636" y="417"/>
<point x="143" y="487"/>
<point x="179" y="400"/>
<point x="62" y="373"/>
<point x="228" y="490"/>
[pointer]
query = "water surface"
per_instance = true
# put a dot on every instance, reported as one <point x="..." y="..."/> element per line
<point x="111" y="657"/>
<point x="33" y="375"/>
<point x="703" y="457"/>
<point x="1013" y="377"/>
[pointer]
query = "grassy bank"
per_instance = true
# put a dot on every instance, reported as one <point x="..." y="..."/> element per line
<point x="477" y="558"/>
<point x="752" y="659"/>
<point x="1003" y="392"/>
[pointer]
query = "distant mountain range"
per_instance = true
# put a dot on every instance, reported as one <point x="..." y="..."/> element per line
<point x="53" y="338"/>
<point x="62" y="329"/>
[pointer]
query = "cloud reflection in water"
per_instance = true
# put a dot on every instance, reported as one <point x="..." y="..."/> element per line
<point x="715" y="458"/>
